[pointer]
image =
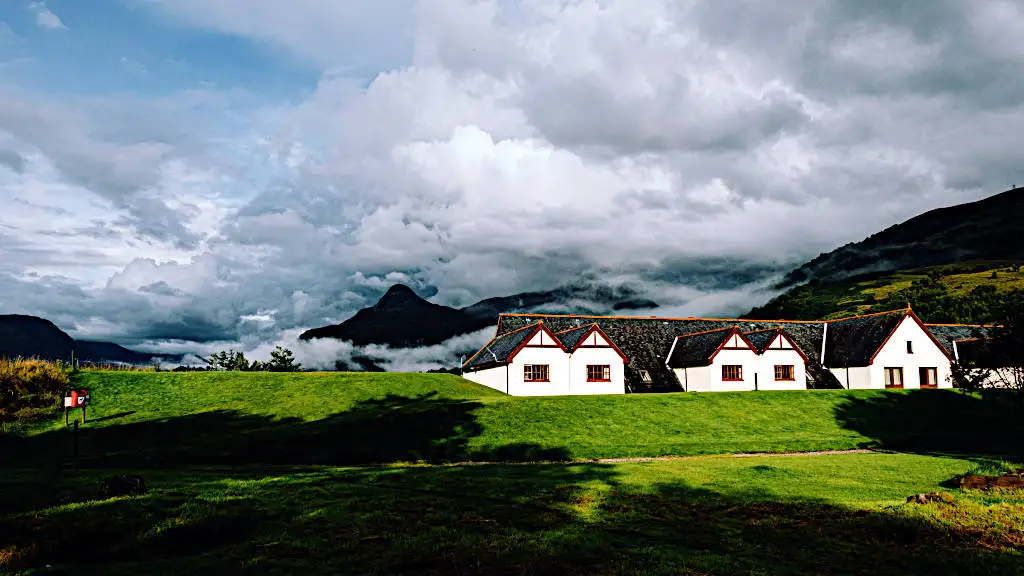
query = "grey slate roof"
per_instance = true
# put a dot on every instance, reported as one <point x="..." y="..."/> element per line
<point x="572" y="337"/>
<point x="947" y="333"/>
<point x="500" y="347"/>
<point x="761" y="339"/>
<point x="696" y="349"/>
<point x="853" y="341"/>
<point x="646" y="340"/>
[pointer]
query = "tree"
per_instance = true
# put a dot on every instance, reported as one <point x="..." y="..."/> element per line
<point x="996" y="361"/>
<point x="282" y="360"/>
<point x="232" y="361"/>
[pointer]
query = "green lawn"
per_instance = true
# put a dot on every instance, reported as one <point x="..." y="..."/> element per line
<point x="163" y="419"/>
<point x="837" y="514"/>
<point x="272" y="473"/>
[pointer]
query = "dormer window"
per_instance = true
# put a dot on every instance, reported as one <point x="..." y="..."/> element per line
<point x="910" y="347"/>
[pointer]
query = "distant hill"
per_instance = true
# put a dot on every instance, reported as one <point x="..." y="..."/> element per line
<point x="955" y="264"/>
<point x="33" y="337"/>
<point x="988" y="230"/>
<point x="401" y="318"/>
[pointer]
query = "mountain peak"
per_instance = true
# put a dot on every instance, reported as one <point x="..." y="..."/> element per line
<point x="397" y="296"/>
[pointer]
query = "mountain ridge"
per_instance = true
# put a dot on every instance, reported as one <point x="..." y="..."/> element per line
<point x="27" y="336"/>
<point x="387" y="321"/>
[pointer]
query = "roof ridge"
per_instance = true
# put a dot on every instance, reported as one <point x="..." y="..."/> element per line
<point x="537" y="323"/>
<point x="776" y="329"/>
<point x="708" y="332"/>
<point x="872" y="315"/>
<point x="575" y="328"/>
<point x="656" y="318"/>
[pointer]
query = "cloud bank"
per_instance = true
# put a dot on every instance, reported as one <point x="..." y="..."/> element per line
<point x="483" y="148"/>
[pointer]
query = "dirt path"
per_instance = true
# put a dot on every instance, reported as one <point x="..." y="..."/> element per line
<point x="664" y="458"/>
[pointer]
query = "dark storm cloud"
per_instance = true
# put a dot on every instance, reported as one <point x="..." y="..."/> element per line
<point x="688" y="151"/>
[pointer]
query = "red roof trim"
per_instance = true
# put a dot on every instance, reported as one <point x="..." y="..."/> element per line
<point x="595" y="328"/>
<point x="540" y="326"/>
<point x="924" y="328"/>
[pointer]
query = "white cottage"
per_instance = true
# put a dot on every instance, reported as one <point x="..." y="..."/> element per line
<point x="534" y="361"/>
<point x="888" y="350"/>
<point x="596" y="364"/>
<point x="782" y="365"/>
<point x="721" y="360"/>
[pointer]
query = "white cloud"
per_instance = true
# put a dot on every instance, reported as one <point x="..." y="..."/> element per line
<point x="45" y="18"/>
<point x="691" y="149"/>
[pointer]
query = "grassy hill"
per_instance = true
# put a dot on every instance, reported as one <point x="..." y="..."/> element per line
<point x="159" y="419"/>
<point x="969" y="293"/>
<point x="264" y="473"/>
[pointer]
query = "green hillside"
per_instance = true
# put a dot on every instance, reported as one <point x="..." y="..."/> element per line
<point x="967" y="293"/>
<point x="267" y="473"/>
<point x="146" y="418"/>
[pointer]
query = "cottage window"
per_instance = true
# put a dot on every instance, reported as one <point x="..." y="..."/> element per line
<point x="929" y="377"/>
<point x="536" y="373"/>
<point x="645" y="376"/>
<point x="894" y="377"/>
<point x="910" y="347"/>
<point x="730" y="372"/>
<point x="599" y="373"/>
<point x="784" y="372"/>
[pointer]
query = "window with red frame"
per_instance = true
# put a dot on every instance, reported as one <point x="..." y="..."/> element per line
<point x="599" y="373"/>
<point x="536" y="373"/>
<point x="732" y="372"/>
<point x="784" y="372"/>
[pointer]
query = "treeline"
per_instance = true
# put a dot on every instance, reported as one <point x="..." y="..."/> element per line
<point x="281" y="360"/>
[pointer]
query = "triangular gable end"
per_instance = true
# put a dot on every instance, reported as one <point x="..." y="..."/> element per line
<point x="734" y="337"/>
<point x="910" y="313"/>
<point x="782" y="334"/>
<point x="595" y="331"/>
<point x="539" y="327"/>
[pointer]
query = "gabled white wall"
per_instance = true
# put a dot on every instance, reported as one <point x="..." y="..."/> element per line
<point x="780" y="351"/>
<point x="540" y="349"/>
<point x="596" y="350"/>
<point x="492" y="377"/>
<point x="926" y="354"/>
<point x="709" y="378"/>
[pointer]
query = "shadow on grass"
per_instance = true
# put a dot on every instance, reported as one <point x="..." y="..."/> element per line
<point x="390" y="429"/>
<point x="493" y="519"/>
<point x="938" y="422"/>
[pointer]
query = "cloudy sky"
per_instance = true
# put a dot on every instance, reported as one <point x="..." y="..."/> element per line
<point x="181" y="171"/>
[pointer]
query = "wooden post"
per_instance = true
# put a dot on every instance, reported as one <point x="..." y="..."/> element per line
<point x="83" y="413"/>
<point x="66" y="422"/>
<point x="75" y="434"/>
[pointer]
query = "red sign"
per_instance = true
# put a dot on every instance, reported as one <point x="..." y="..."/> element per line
<point x="79" y="398"/>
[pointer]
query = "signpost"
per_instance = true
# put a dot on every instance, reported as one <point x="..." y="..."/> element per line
<point x="78" y="399"/>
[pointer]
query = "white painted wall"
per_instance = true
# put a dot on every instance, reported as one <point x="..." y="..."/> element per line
<point x="491" y="377"/>
<point x="748" y="359"/>
<point x="584" y="356"/>
<point x="780" y="351"/>
<point x="926" y="354"/>
<point x="857" y="378"/>
<point x="694" y="379"/>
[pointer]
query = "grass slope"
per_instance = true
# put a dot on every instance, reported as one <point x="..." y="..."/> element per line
<point x="251" y="473"/>
<point x="175" y="419"/>
<point x="959" y="293"/>
<point x="840" y="514"/>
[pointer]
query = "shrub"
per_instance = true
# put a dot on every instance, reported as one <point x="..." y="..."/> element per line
<point x="31" y="389"/>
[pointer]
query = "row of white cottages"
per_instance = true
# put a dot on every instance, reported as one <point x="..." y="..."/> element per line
<point x="553" y="355"/>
